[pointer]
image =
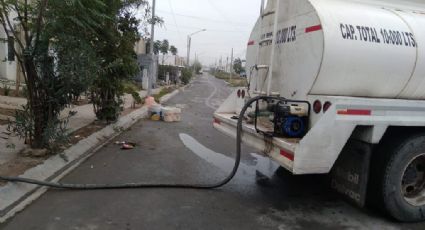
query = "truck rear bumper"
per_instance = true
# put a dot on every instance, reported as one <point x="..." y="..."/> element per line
<point x="279" y="149"/>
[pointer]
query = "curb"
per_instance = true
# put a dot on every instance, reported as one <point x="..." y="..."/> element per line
<point x="16" y="196"/>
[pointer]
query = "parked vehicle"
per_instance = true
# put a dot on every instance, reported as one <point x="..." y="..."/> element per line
<point x="345" y="81"/>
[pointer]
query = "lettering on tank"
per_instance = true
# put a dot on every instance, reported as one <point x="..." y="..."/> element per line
<point x="377" y="35"/>
<point x="286" y="35"/>
<point x="266" y="39"/>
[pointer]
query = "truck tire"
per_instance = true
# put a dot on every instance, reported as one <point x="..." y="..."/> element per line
<point x="403" y="179"/>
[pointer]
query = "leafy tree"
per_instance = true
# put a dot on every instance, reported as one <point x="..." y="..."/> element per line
<point x="55" y="57"/>
<point x="173" y="50"/>
<point x="115" y="47"/>
<point x="156" y="47"/>
<point x="186" y="76"/>
<point x="165" y="46"/>
<point x="64" y="47"/>
<point x="237" y="66"/>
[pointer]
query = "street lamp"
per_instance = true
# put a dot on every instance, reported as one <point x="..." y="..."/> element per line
<point x="189" y="41"/>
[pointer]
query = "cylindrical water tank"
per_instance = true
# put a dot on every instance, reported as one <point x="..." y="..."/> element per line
<point x="347" y="48"/>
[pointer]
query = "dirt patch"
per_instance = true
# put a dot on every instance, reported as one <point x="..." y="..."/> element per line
<point x="22" y="163"/>
<point x="19" y="165"/>
<point x="8" y="112"/>
<point x="85" y="132"/>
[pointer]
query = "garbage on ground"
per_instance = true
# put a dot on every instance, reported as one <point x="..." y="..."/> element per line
<point x="128" y="146"/>
<point x="125" y="145"/>
<point x="181" y="106"/>
<point x="156" y="117"/>
<point x="171" y="114"/>
<point x="167" y="114"/>
<point x="149" y="101"/>
<point x="155" y="109"/>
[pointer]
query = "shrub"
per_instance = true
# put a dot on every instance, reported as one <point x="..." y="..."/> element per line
<point x="186" y="76"/>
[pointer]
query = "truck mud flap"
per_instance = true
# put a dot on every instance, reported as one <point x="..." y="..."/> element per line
<point x="350" y="173"/>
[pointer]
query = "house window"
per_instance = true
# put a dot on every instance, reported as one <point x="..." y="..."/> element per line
<point x="11" y="49"/>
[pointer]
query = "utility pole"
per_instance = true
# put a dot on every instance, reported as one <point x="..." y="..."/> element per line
<point x="227" y="64"/>
<point x="231" y="65"/>
<point x="189" y="40"/>
<point x="152" y="72"/>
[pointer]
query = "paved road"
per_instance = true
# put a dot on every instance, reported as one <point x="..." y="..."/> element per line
<point x="260" y="197"/>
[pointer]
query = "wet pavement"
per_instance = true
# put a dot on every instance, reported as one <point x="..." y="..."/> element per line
<point x="262" y="196"/>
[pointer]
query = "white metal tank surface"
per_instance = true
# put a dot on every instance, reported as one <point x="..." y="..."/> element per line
<point x="344" y="48"/>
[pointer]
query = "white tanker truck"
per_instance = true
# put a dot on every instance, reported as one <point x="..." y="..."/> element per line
<point x="343" y="86"/>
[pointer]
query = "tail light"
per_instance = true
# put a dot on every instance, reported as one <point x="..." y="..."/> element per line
<point x="317" y="106"/>
<point x="239" y="93"/>
<point x="243" y="94"/>
<point x="326" y="106"/>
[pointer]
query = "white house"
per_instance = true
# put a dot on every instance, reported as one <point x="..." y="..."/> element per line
<point x="172" y="60"/>
<point x="9" y="67"/>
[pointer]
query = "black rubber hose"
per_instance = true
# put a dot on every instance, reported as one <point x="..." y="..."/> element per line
<point x="142" y="185"/>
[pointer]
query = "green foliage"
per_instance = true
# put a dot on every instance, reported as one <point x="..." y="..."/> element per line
<point x="53" y="49"/>
<point x="156" y="47"/>
<point x="197" y="67"/>
<point x="136" y="97"/>
<point x="173" y="50"/>
<point x="237" y="66"/>
<point x="186" y="76"/>
<point x="133" y="89"/>
<point x="119" y="63"/>
<point x="24" y="124"/>
<point x="165" y="46"/>
<point x="130" y="87"/>
<point x="162" y="93"/>
<point x="234" y="81"/>
<point x="55" y="133"/>
<point x="65" y="48"/>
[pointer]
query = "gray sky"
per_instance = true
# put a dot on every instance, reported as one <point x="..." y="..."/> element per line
<point x="228" y="23"/>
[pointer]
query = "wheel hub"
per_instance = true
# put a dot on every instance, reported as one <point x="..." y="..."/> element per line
<point x="413" y="182"/>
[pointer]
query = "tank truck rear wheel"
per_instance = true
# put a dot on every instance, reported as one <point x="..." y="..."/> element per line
<point x="403" y="179"/>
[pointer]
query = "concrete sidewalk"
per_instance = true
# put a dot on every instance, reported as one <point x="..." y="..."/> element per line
<point x="11" y="146"/>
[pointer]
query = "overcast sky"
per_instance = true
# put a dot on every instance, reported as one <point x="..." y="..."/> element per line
<point x="228" y="23"/>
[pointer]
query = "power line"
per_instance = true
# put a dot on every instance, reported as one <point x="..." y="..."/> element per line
<point x="207" y="19"/>
<point x="212" y="30"/>
<point x="218" y="10"/>
<point x="175" y="21"/>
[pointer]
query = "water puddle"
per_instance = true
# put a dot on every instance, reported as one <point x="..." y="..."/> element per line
<point x="219" y="160"/>
<point x="265" y="165"/>
<point x="263" y="169"/>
